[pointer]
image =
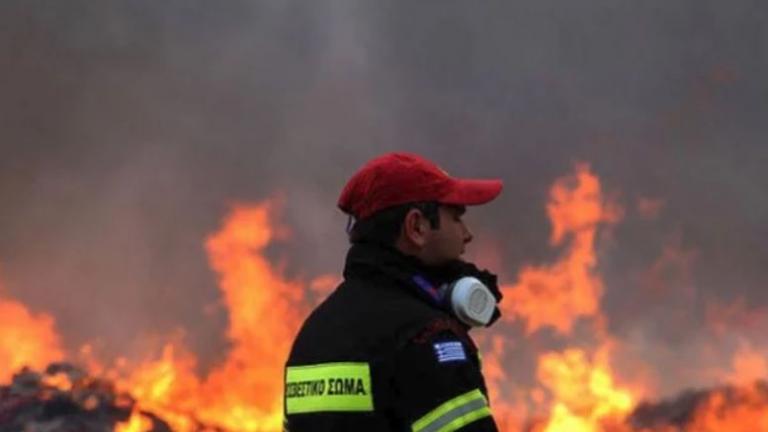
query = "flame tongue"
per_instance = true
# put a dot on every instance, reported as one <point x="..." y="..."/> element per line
<point x="578" y="389"/>
<point x="265" y="311"/>
<point x="585" y="395"/>
<point x="241" y="394"/>
<point x="557" y="295"/>
<point x="26" y="339"/>
<point x="244" y="392"/>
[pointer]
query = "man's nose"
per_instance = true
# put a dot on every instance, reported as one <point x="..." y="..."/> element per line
<point x="467" y="235"/>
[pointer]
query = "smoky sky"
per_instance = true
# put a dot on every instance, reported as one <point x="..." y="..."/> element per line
<point x="128" y="129"/>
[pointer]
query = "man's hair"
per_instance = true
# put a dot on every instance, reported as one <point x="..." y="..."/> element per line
<point x="384" y="226"/>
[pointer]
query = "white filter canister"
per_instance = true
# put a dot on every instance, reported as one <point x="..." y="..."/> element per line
<point x="472" y="301"/>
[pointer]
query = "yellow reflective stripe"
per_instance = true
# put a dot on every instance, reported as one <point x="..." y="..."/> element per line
<point x="465" y="419"/>
<point x="328" y="387"/>
<point x="454" y="414"/>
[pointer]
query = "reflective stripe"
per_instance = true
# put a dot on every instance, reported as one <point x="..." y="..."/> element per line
<point x="454" y="414"/>
<point x="328" y="387"/>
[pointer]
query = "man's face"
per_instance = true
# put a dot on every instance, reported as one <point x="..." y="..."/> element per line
<point x="447" y="242"/>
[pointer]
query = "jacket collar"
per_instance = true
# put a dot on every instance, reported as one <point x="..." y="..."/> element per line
<point x="374" y="261"/>
<point x="369" y="260"/>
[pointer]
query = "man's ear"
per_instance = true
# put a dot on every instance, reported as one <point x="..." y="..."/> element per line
<point x="416" y="227"/>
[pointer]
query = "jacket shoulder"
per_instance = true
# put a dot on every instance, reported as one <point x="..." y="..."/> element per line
<point x="360" y="319"/>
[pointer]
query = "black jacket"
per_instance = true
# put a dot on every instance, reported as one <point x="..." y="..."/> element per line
<point x="380" y="354"/>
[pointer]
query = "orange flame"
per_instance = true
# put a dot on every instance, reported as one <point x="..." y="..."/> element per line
<point x="510" y="407"/>
<point x="244" y="392"/>
<point x="265" y="312"/>
<point x="60" y="381"/>
<point x="137" y="423"/>
<point x="743" y="410"/>
<point x="578" y="387"/>
<point x="26" y="339"/>
<point x="584" y="391"/>
<point x="749" y="365"/>
<point x="558" y="294"/>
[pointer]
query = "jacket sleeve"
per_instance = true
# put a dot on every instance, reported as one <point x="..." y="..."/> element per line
<point x="438" y="386"/>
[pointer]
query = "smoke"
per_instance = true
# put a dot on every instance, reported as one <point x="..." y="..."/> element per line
<point x="128" y="128"/>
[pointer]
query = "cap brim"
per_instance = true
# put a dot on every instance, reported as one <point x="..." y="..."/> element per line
<point x="469" y="192"/>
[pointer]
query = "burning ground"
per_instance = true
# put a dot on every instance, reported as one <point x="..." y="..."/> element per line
<point x="577" y="376"/>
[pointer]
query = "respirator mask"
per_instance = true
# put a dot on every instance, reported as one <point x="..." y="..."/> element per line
<point x="469" y="300"/>
<point x="472" y="296"/>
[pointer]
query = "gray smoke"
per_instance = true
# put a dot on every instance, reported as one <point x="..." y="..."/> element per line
<point x="127" y="129"/>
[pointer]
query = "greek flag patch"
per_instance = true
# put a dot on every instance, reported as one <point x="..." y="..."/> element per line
<point x="449" y="352"/>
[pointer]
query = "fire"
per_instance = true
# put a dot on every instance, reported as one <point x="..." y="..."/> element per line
<point x="585" y="394"/>
<point x="265" y="312"/>
<point x="577" y="384"/>
<point x="137" y="423"/>
<point x="167" y="387"/>
<point x="743" y="409"/>
<point x="558" y="294"/>
<point x="576" y="387"/>
<point x="510" y="408"/>
<point x="244" y="393"/>
<point x="26" y="339"/>
<point x="749" y="365"/>
<point x="59" y="381"/>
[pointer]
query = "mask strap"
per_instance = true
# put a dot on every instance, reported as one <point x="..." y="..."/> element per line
<point x="427" y="287"/>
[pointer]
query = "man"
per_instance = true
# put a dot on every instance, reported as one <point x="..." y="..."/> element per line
<point x="389" y="349"/>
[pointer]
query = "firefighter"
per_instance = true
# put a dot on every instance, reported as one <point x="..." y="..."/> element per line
<point x="389" y="349"/>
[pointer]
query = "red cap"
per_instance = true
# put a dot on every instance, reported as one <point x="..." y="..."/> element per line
<point x="400" y="178"/>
